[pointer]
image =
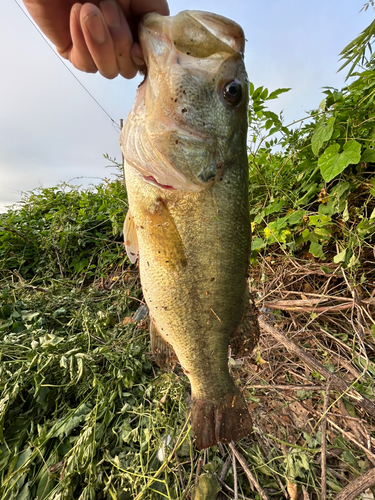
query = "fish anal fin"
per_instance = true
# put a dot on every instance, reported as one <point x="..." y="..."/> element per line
<point x="162" y="351"/>
<point x="130" y="238"/>
<point x="221" y="421"/>
<point x="164" y="236"/>
<point x="246" y="335"/>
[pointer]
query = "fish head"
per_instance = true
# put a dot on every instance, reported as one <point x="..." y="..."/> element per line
<point x="189" y="121"/>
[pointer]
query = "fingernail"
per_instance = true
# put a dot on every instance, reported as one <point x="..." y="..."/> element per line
<point x="96" y="28"/>
<point x="138" y="61"/>
<point x="111" y="13"/>
<point x="137" y="54"/>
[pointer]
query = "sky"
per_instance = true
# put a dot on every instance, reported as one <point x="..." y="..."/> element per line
<point x="51" y="129"/>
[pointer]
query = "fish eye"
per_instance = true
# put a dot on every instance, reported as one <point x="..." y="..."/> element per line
<point x="232" y="92"/>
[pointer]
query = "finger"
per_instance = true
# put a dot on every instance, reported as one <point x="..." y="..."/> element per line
<point x="79" y="54"/>
<point x="52" y="17"/>
<point x="98" y="40"/>
<point x="121" y="37"/>
<point x="141" y="7"/>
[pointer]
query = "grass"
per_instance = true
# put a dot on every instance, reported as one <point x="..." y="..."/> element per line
<point x="85" y="413"/>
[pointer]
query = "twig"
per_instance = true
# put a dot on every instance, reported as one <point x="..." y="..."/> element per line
<point x="225" y="469"/>
<point x="350" y="438"/>
<point x="29" y="287"/>
<point x="260" y="437"/>
<point x="285" y="387"/>
<point x="36" y="289"/>
<point x="324" y="442"/>
<point x="221" y="449"/>
<point x="118" y="279"/>
<point x="199" y="467"/>
<point x="250" y="477"/>
<point x="352" y="423"/>
<point x="224" y="485"/>
<point x="235" y="484"/>
<point x="287" y="305"/>
<point x="337" y="383"/>
<point x="182" y="482"/>
<point x="305" y="493"/>
<point x="358" y="486"/>
<point x="84" y="276"/>
<point x="58" y="261"/>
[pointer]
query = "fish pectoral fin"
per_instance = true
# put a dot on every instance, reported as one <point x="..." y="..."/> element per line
<point x="223" y="421"/>
<point x="162" y="351"/>
<point x="130" y="238"/>
<point x="164" y="237"/>
<point x="246" y="335"/>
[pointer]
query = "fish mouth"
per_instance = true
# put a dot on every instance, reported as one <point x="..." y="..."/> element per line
<point x="195" y="33"/>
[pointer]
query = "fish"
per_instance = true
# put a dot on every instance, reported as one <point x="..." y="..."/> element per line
<point x="186" y="171"/>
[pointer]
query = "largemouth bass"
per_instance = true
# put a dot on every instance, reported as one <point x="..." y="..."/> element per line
<point x="186" y="173"/>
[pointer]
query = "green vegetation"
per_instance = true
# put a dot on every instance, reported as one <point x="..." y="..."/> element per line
<point x="84" y="411"/>
<point x="312" y="187"/>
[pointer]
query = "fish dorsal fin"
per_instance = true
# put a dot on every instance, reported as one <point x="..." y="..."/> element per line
<point x="130" y="238"/>
<point x="164" y="237"/>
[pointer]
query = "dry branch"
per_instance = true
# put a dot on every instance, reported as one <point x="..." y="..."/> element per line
<point x="253" y="482"/>
<point x="324" y="442"/>
<point x="358" y="486"/>
<point x="337" y="383"/>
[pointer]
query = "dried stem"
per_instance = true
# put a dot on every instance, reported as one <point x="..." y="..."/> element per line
<point x="253" y="482"/>
<point x="324" y="441"/>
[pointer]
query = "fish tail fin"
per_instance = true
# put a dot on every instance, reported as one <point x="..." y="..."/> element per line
<point x="223" y="420"/>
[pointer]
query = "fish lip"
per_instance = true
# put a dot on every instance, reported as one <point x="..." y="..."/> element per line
<point x="213" y="22"/>
<point x="225" y="30"/>
<point x="154" y="22"/>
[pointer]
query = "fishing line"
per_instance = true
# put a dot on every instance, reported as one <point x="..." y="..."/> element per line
<point x="67" y="67"/>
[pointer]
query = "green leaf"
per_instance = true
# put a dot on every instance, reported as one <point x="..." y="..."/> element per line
<point x="319" y="220"/>
<point x="349" y="458"/>
<point x="207" y="487"/>
<point x="295" y="217"/>
<point x="45" y="486"/>
<point x="274" y="207"/>
<point x="323" y="132"/>
<point x="368" y="155"/>
<point x="345" y="214"/>
<point x="365" y="227"/>
<point x="24" y="494"/>
<point x="316" y="250"/>
<point x="257" y="244"/>
<point x="332" y="163"/>
<point x="276" y="93"/>
<point x="340" y="257"/>
<point x="372" y="189"/>
<point x="67" y="424"/>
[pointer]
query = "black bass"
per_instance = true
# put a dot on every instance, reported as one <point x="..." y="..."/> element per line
<point x="186" y="172"/>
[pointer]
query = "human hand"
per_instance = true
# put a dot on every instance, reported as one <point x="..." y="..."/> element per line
<point x="101" y="35"/>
